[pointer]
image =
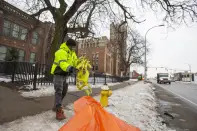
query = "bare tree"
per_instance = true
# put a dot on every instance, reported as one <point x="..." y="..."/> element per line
<point x="128" y="45"/>
<point x="135" y="49"/>
<point x="79" y="16"/>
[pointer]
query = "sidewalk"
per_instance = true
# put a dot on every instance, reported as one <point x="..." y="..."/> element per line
<point x="14" y="106"/>
<point x="135" y="104"/>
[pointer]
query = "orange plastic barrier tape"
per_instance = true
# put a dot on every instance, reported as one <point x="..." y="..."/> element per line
<point x="90" y="116"/>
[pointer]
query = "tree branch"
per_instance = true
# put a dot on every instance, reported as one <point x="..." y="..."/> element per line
<point x="89" y="18"/>
<point x="40" y="11"/>
<point x="63" y="6"/>
<point x="78" y="29"/>
<point x="73" y="9"/>
<point x="127" y="15"/>
<point x="51" y="8"/>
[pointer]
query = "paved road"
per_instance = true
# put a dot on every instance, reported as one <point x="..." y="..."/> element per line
<point x="177" y="105"/>
<point x="186" y="91"/>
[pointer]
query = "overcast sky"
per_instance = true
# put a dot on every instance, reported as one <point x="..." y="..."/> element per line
<point x="173" y="49"/>
<point x="169" y="48"/>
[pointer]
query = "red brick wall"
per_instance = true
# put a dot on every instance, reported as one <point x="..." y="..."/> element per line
<point x="106" y="60"/>
<point x="25" y="45"/>
<point x="95" y="50"/>
<point x="135" y="74"/>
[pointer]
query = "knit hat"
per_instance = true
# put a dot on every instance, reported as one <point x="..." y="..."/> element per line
<point x="71" y="42"/>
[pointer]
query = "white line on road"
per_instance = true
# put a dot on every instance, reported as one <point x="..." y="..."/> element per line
<point x="179" y="96"/>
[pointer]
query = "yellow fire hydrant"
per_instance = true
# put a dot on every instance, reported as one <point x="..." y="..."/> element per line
<point x="105" y="93"/>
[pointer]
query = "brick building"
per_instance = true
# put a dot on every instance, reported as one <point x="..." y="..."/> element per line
<point x="96" y="50"/>
<point x="118" y="45"/>
<point x="135" y="74"/>
<point x="102" y="52"/>
<point x="31" y="39"/>
<point x="21" y="33"/>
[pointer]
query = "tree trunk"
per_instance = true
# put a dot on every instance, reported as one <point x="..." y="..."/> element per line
<point x="58" y="38"/>
<point x="126" y="70"/>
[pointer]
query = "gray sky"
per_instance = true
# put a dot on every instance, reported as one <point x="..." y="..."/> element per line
<point x="174" y="49"/>
<point x="169" y="48"/>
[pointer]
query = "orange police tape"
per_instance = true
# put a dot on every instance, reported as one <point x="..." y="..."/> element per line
<point x="91" y="116"/>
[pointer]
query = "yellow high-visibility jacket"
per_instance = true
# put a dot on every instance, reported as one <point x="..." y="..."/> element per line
<point x="64" y="58"/>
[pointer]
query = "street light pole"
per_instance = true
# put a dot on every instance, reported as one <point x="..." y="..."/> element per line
<point x="145" y="64"/>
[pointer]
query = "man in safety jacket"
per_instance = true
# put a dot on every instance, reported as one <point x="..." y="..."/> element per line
<point x="65" y="63"/>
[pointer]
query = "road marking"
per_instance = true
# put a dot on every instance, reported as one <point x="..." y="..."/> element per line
<point x="179" y="96"/>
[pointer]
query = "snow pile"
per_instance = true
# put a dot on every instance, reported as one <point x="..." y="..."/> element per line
<point x="41" y="122"/>
<point x="113" y="84"/>
<point x="4" y="79"/>
<point x="43" y="90"/>
<point x="133" y="79"/>
<point x="48" y="90"/>
<point x="137" y="106"/>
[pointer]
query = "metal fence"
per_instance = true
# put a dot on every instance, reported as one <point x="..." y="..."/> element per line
<point x="39" y="74"/>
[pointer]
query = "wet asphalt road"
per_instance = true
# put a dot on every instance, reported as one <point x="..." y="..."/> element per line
<point x="186" y="91"/>
<point x="177" y="105"/>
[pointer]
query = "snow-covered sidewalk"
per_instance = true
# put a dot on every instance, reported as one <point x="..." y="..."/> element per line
<point x="135" y="104"/>
<point x="48" y="90"/>
<point x="5" y="79"/>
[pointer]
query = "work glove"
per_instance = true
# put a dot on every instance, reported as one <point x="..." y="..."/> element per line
<point x="71" y="70"/>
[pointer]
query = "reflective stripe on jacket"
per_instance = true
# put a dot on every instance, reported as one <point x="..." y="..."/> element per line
<point x="64" y="58"/>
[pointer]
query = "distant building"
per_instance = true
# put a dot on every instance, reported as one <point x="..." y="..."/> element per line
<point x="187" y="77"/>
<point x="195" y="77"/>
<point x="134" y="75"/>
<point x="103" y="54"/>
<point x="178" y="76"/>
<point x="98" y="53"/>
<point x="184" y="76"/>
<point x="118" y="37"/>
<point x="23" y="34"/>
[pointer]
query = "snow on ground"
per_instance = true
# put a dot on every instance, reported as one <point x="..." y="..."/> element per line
<point x="49" y="90"/>
<point x="135" y="104"/>
<point x="4" y="79"/>
<point x="41" y="122"/>
<point x="133" y="79"/>
<point x="41" y="91"/>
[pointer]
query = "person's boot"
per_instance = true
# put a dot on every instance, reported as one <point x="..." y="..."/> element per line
<point x="54" y="109"/>
<point x="60" y="114"/>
